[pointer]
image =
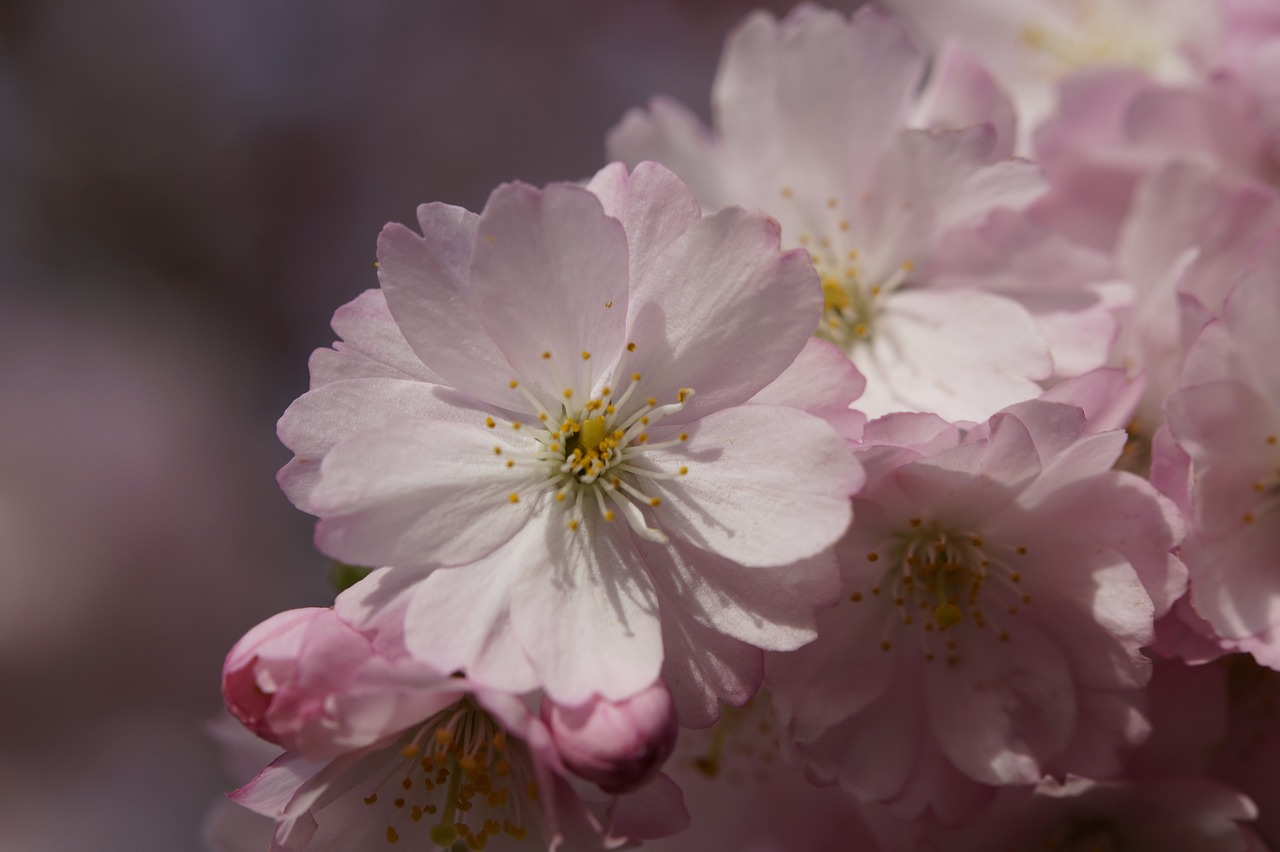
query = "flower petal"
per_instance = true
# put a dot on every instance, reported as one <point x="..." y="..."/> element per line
<point x="427" y="282"/>
<point x="765" y="485"/>
<point x="417" y="493"/>
<point x="587" y="614"/>
<point x="550" y="275"/>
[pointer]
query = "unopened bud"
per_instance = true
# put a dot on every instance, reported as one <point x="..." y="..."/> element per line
<point x="617" y="745"/>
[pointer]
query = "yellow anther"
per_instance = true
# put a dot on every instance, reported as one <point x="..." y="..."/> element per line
<point x="568" y="393"/>
<point x="371" y="798"/>
<point x="844" y="224"/>
<point x="489" y="421"/>
<point x="546" y="355"/>
<point x="513" y="384"/>
<point x="683" y="471"/>
<point x="497" y="451"/>
<point x="409" y="751"/>
<point x="609" y="515"/>
<point x="586" y="355"/>
<point x="786" y="192"/>
<point x="392" y="836"/>
<point x="872" y="556"/>
<point x="832" y="202"/>
<point x="513" y="497"/>
<point x="655" y="501"/>
<point x="635" y="377"/>
<point x="805" y="239"/>
<point x="560" y="497"/>
<point x="631" y="347"/>
<point x="855" y="597"/>
<point x="907" y="266"/>
<point x="684" y="436"/>
<point x="834" y="297"/>
<point x="516" y="424"/>
<point x="608" y="304"/>
<point x="886" y="645"/>
<point x="511" y="463"/>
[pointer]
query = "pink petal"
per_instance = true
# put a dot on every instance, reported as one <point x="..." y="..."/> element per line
<point x="427" y="283"/>
<point x="587" y="614"/>
<point x="459" y="618"/>
<point x="771" y="608"/>
<point x="372" y="345"/>
<point x="1005" y="707"/>
<point x="794" y="96"/>
<point x="550" y="274"/>
<point x="766" y="485"/>
<point x="333" y="412"/>
<point x="822" y="381"/>
<point x="725" y="273"/>
<point x="961" y="92"/>
<point x="652" y="204"/>
<point x="417" y="493"/>
<point x="963" y="355"/>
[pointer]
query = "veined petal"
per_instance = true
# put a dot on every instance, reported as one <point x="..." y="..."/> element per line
<point x="333" y="412"/>
<point x="652" y="204"/>
<point x="426" y="281"/>
<point x="963" y="355"/>
<point x="371" y="345"/>
<point x="588" y="613"/>
<point x="765" y="485"/>
<point x="550" y="283"/>
<point x="417" y="493"/>
<point x="724" y="273"/>
<point x="460" y="618"/>
<point x="771" y="608"/>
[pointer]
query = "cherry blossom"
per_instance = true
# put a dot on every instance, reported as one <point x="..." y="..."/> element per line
<point x="590" y="488"/>
<point x="1226" y="419"/>
<point x="872" y="200"/>
<point x="999" y="585"/>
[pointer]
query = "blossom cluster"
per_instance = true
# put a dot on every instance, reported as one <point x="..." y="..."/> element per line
<point x="892" y="465"/>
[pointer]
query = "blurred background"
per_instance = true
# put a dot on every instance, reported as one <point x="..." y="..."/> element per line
<point x="187" y="191"/>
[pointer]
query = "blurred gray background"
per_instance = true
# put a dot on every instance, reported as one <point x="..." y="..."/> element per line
<point x="187" y="192"/>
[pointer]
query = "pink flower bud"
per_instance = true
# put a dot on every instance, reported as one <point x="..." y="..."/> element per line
<point x="279" y="677"/>
<point x="617" y="745"/>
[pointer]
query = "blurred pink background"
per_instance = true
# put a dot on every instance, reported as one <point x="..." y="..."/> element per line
<point x="187" y="191"/>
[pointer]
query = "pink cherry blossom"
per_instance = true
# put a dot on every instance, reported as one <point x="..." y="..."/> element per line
<point x="1226" y="419"/>
<point x="1000" y="583"/>
<point x="397" y="749"/>
<point x="814" y="125"/>
<point x="574" y="484"/>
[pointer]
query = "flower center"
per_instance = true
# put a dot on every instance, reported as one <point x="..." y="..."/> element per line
<point x="942" y="581"/>
<point x="1099" y="33"/>
<point x="592" y="456"/>
<point x="461" y="779"/>
<point x="854" y="289"/>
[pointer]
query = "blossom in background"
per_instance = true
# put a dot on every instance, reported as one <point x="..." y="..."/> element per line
<point x="395" y="750"/>
<point x="875" y="203"/>
<point x="1225" y="418"/>
<point x="999" y="586"/>
<point x="556" y="449"/>
<point x="1031" y="45"/>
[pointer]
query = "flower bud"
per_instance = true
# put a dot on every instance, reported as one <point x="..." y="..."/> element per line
<point x="617" y="745"/>
<point x="280" y="676"/>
